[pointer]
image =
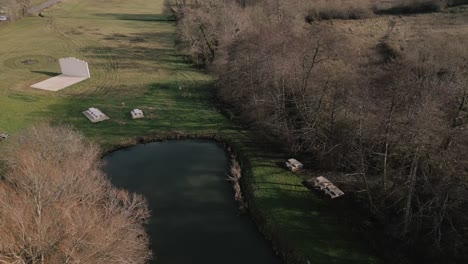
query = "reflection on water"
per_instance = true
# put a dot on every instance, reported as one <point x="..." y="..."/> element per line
<point x="194" y="216"/>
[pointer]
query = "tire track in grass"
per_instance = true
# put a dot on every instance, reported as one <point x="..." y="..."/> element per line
<point x="105" y="70"/>
<point x="65" y="43"/>
<point x="103" y="63"/>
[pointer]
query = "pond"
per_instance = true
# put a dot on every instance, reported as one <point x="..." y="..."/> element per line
<point x="194" y="218"/>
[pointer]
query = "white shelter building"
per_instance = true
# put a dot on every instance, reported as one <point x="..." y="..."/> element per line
<point x="95" y="115"/>
<point x="137" y="113"/>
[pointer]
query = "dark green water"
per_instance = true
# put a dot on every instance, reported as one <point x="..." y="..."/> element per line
<point x="194" y="218"/>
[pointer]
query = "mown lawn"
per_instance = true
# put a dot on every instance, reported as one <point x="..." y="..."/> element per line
<point x="134" y="64"/>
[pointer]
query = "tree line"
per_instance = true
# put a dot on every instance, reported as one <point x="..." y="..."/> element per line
<point x="395" y="115"/>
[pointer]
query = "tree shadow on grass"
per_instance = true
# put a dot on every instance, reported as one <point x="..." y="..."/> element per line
<point x="305" y="222"/>
<point x="24" y="97"/>
<point x="412" y="8"/>
<point x="166" y="108"/>
<point x="130" y="56"/>
<point x="140" y="17"/>
<point x="280" y="183"/>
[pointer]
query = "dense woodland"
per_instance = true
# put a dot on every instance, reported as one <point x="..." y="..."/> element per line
<point x="57" y="206"/>
<point x="394" y="114"/>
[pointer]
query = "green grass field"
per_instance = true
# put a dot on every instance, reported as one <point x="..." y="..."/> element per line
<point x="134" y="64"/>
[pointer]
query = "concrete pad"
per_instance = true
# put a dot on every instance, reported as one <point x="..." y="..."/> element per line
<point x="58" y="82"/>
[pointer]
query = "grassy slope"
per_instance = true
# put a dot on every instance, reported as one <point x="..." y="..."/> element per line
<point x="134" y="64"/>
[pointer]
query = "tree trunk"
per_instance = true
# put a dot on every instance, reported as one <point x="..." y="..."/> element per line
<point x="411" y="184"/>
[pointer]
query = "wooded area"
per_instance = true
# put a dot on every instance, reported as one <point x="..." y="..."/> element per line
<point x="56" y="205"/>
<point x="394" y="112"/>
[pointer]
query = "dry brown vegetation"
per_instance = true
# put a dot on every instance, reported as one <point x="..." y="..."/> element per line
<point x="15" y="8"/>
<point x="56" y="205"/>
<point x="384" y="97"/>
<point x="235" y="178"/>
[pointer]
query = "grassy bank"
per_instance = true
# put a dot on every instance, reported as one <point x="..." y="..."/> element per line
<point x="134" y="64"/>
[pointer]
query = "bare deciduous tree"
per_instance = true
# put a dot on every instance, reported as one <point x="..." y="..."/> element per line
<point x="397" y="116"/>
<point x="56" y="205"/>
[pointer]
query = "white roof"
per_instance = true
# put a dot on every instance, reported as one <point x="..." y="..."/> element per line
<point x="95" y="112"/>
<point x="324" y="183"/>
<point x="294" y="162"/>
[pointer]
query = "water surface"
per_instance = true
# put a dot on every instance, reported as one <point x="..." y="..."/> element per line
<point x="194" y="218"/>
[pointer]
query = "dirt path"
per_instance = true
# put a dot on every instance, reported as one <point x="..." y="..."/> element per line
<point x="38" y="8"/>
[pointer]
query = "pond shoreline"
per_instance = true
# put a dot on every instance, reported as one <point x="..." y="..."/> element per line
<point x="235" y="154"/>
